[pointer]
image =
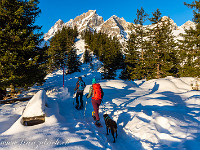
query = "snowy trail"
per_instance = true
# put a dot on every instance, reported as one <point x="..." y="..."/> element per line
<point x="67" y="110"/>
<point x="147" y="117"/>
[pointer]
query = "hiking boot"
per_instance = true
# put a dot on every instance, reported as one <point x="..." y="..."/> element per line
<point x="98" y="124"/>
<point x="76" y="106"/>
<point x="81" y="107"/>
<point x="94" y="118"/>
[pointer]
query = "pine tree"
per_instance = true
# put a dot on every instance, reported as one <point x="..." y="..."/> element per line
<point x="107" y="50"/>
<point x="135" y="67"/>
<point x="61" y="51"/>
<point x="161" y="56"/>
<point x="131" y="58"/>
<point x="87" y="58"/>
<point x="140" y="30"/>
<point x="72" y="61"/>
<point x="20" y="58"/>
<point x="58" y="49"/>
<point x="112" y="58"/>
<point x="190" y="45"/>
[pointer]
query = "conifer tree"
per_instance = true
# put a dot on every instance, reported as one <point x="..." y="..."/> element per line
<point x="87" y="58"/>
<point x="58" y="49"/>
<point x="135" y="66"/>
<point x="107" y="50"/>
<point x="20" y="58"/>
<point x="190" y="45"/>
<point x="111" y="56"/>
<point x="61" y="51"/>
<point x="72" y="61"/>
<point x="131" y="59"/>
<point x="161" y="54"/>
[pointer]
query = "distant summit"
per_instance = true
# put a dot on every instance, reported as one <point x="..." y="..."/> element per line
<point x="114" y="26"/>
<point x="188" y="24"/>
<point x="174" y="25"/>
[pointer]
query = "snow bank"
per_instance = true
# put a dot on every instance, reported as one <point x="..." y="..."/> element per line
<point x="36" y="105"/>
<point x="167" y="84"/>
<point x="118" y="84"/>
<point x="156" y="129"/>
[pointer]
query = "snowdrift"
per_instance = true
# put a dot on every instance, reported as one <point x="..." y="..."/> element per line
<point x="34" y="113"/>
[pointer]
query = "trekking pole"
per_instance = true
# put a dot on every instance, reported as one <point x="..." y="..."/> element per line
<point x="85" y="107"/>
<point x="74" y="95"/>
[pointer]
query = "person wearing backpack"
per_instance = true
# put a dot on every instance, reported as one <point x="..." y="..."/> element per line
<point x="96" y="93"/>
<point x="80" y="85"/>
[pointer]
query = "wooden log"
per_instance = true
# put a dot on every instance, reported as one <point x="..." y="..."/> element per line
<point x="9" y="101"/>
<point x="30" y="121"/>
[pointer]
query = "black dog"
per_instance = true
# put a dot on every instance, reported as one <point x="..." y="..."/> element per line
<point x="111" y="125"/>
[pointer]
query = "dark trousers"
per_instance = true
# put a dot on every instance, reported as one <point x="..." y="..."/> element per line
<point x="96" y="104"/>
<point x="81" y="98"/>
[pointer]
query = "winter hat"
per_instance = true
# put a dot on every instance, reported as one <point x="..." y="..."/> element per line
<point x="93" y="81"/>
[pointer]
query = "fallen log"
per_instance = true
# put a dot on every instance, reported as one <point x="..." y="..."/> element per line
<point x="30" y="121"/>
<point x="9" y="101"/>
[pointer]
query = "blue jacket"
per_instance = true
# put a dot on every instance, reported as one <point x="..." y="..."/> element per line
<point x="77" y="89"/>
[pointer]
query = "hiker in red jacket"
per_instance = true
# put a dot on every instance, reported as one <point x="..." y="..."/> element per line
<point x="97" y="94"/>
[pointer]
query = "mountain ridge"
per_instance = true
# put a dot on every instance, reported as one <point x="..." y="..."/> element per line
<point x="114" y="26"/>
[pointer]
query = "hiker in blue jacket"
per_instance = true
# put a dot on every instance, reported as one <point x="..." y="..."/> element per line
<point x="80" y="85"/>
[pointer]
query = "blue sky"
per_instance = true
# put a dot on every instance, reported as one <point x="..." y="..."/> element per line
<point x="53" y="10"/>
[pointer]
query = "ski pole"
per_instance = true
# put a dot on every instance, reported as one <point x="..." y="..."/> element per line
<point x="85" y="108"/>
<point x="74" y="95"/>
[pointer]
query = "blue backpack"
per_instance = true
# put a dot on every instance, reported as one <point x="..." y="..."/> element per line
<point x="81" y="85"/>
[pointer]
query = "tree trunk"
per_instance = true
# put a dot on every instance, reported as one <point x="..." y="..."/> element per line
<point x="2" y="94"/>
<point x="12" y="90"/>
<point x="158" y="71"/>
<point x="142" y="56"/>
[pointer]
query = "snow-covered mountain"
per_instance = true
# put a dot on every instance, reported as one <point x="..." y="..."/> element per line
<point x="57" y="26"/>
<point x="89" y="20"/>
<point x="114" y="26"/>
<point x="187" y="25"/>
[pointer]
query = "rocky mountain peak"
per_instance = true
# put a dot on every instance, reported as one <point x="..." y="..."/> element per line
<point x="114" y="26"/>
<point x="174" y="25"/>
<point x="59" y="22"/>
<point x="89" y="19"/>
<point x="188" y="24"/>
<point x="57" y="26"/>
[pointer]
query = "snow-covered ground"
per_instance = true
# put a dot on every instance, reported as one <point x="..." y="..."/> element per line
<point x="155" y="114"/>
